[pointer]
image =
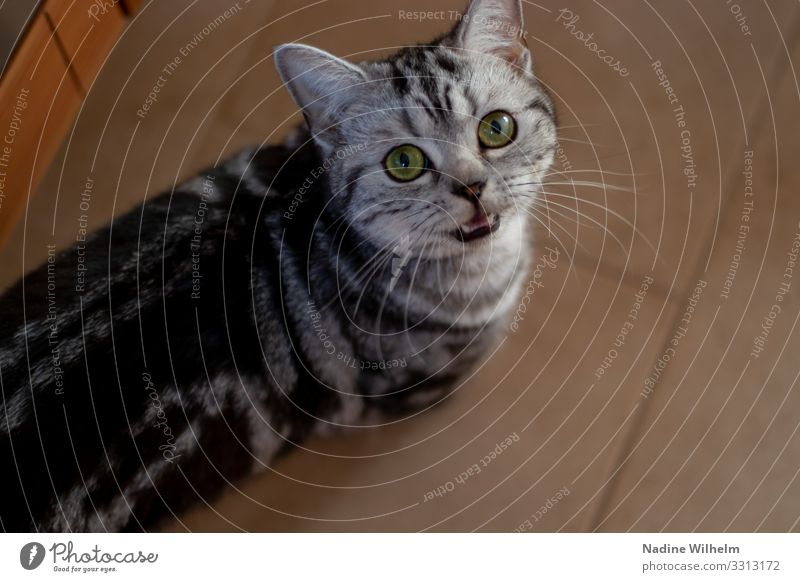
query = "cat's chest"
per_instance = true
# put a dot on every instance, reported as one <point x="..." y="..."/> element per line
<point x="431" y="321"/>
<point x="473" y="298"/>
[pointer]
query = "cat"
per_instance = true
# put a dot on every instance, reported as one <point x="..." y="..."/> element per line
<point x="355" y="272"/>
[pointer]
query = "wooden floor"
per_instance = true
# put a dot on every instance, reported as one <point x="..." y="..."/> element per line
<point x="653" y="382"/>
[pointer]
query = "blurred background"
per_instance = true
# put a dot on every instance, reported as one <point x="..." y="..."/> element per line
<point x="651" y="381"/>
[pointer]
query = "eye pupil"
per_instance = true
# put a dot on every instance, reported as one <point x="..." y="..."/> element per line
<point x="496" y="127"/>
<point x="405" y="161"/>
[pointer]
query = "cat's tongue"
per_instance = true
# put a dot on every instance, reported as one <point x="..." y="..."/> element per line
<point x="480" y="220"/>
<point x="479" y="226"/>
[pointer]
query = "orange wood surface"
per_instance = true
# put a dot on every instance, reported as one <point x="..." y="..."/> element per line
<point x="87" y="31"/>
<point x="41" y="91"/>
<point x="37" y="102"/>
<point x="131" y="6"/>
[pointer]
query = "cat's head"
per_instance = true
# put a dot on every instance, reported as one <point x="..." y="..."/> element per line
<point x="439" y="147"/>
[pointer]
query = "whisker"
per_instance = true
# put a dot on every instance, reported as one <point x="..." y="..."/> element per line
<point x="606" y="209"/>
<point x="561" y="226"/>
<point x="376" y="256"/>
<point x="589" y="184"/>
<point x="605" y="157"/>
<point x="583" y="142"/>
<point x="555" y="236"/>
<point x="354" y="281"/>
<point x="594" y="171"/>
<point x="428" y="239"/>
<point x="599" y="224"/>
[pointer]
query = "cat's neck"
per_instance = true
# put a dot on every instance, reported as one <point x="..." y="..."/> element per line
<point x="472" y="289"/>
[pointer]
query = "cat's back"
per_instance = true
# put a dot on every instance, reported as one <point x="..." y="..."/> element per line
<point x="91" y="336"/>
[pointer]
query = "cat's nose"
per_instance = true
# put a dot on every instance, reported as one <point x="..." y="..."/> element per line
<point x="472" y="191"/>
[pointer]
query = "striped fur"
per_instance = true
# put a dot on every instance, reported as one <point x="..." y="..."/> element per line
<point x="264" y="301"/>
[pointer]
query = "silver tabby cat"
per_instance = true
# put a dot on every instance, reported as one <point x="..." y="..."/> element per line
<point x="356" y="272"/>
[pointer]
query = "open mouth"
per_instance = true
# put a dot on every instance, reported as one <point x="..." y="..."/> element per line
<point x="479" y="226"/>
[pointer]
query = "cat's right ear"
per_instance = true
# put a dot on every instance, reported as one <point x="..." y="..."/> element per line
<point x="496" y="28"/>
<point x="320" y="83"/>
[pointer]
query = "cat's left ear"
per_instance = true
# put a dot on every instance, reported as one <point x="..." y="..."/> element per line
<point x="321" y="84"/>
<point x="495" y="27"/>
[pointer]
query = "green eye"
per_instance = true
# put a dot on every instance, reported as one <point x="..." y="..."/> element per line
<point x="497" y="129"/>
<point x="406" y="163"/>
